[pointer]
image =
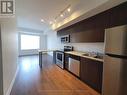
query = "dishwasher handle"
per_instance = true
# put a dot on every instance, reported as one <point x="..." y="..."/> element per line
<point x="74" y="57"/>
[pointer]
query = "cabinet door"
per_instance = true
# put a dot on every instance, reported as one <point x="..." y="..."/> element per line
<point x="91" y="73"/>
<point x="54" y="56"/>
<point x="83" y="70"/>
<point x="118" y="15"/>
<point x="87" y="32"/>
<point x="66" y="60"/>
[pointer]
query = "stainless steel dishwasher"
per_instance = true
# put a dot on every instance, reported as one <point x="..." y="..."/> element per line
<point x="74" y="65"/>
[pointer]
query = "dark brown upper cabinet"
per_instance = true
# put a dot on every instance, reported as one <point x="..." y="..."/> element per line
<point x="92" y="29"/>
<point x="118" y="15"/>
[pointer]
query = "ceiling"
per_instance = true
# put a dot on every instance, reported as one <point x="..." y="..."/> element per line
<point x="30" y="12"/>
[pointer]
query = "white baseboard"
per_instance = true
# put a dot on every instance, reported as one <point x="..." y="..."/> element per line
<point x="12" y="82"/>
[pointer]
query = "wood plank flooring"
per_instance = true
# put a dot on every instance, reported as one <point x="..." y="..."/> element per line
<point x="50" y="80"/>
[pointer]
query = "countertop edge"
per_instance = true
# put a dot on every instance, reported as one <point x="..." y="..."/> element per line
<point x="80" y="54"/>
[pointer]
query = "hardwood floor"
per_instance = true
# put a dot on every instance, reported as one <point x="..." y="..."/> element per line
<point x="50" y="80"/>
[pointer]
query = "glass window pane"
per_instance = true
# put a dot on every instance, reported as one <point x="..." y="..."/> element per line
<point x="30" y="42"/>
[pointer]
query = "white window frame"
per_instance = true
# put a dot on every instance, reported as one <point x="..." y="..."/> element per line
<point x="30" y="35"/>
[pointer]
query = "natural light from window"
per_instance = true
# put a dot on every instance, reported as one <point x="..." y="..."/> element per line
<point x="29" y="42"/>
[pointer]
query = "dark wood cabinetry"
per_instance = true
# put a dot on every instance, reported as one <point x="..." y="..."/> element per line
<point x="92" y="29"/>
<point x="118" y="15"/>
<point x="91" y="73"/>
<point x="84" y="31"/>
<point x="66" y="60"/>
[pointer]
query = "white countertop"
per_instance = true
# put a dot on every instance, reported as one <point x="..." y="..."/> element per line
<point x="49" y="50"/>
<point x="77" y="53"/>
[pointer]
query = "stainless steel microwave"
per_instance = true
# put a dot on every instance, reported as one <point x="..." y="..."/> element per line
<point x="65" y="39"/>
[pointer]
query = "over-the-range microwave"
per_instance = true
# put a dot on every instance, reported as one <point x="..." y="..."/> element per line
<point x="65" y="39"/>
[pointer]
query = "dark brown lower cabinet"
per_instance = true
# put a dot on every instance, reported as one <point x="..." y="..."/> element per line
<point x="91" y="73"/>
<point x="66" y="60"/>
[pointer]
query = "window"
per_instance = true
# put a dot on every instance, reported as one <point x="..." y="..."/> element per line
<point x="29" y="42"/>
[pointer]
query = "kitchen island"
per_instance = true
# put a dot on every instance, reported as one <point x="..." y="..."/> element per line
<point x="41" y="52"/>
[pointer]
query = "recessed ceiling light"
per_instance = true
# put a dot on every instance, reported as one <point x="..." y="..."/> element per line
<point x="61" y="15"/>
<point x="42" y="20"/>
<point x="68" y="9"/>
<point x="50" y="22"/>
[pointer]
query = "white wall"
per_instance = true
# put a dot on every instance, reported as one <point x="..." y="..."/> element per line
<point x="53" y="42"/>
<point x="1" y="67"/>
<point x="43" y="43"/>
<point x="9" y="52"/>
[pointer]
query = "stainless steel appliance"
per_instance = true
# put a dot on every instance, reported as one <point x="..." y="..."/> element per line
<point x="60" y="58"/>
<point x="115" y="61"/>
<point x="65" y="39"/>
<point x="60" y="55"/>
<point x="74" y="66"/>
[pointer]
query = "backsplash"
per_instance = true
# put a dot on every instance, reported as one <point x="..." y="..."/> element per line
<point x="88" y="47"/>
<point x="54" y="43"/>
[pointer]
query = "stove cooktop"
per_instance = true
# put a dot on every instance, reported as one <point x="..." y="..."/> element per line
<point x="67" y="48"/>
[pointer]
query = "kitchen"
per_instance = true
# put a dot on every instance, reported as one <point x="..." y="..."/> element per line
<point x="88" y="65"/>
<point x="65" y="47"/>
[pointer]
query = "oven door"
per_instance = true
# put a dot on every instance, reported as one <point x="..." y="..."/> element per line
<point x="60" y="59"/>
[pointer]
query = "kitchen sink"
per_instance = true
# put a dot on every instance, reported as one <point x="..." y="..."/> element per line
<point x="100" y="57"/>
<point x="94" y="55"/>
<point x="86" y="54"/>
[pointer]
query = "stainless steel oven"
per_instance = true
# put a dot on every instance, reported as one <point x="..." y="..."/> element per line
<point x="60" y="58"/>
